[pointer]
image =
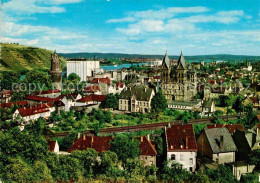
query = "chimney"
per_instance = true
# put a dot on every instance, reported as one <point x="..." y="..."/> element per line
<point x="169" y="125"/>
<point x="92" y="139"/>
<point x="84" y="136"/>
<point x="148" y="136"/>
<point x="221" y="142"/>
<point x="215" y="125"/>
<point x="78" y="135"/>
<point x="142" y="138"/>
<point x="187" y="141"/>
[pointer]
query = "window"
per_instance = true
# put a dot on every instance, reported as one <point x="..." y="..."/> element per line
<point x="191" y="169"/>
<point x="151" y="163"/>
<point x="191" y="161"/>
<point x="173" y="157"/>
<point x="181" y="157"/>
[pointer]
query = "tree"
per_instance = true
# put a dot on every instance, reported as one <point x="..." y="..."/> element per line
<point x="125" y="146"/>
<point x="221" y="174"/>
<point x="238" y="106"/>
<point x="159" y="103"/>
<point x="111" y="101"/>
<point x="109" y="159"/>
<point x="74" y="77"/>
<point x="8" y="79"/>
<point x="37" y="81"/>
<point x="68" y="140"/>
<point x="254" y="158"/>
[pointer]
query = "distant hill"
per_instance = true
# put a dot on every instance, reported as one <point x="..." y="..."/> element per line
<point x="17" y="58"/>
<point x="225" y="57"/>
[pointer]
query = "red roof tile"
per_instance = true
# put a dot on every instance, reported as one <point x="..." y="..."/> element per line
<point x="10" y="104"/>
<point x="120" y="84"/>
<point x="51" y="145"/>
<point x="93" y="88"/>
<point x="146" y="147"/>
<point x="181" y="138"/>
<point x="100" y="144"/>
<point x="98" y="98"/>
<point x="231" y="128"/>
<point x="254" y="99"/>
<point x="101" y="80"/>
<point x="41" y="108"/>
<point x="47" y="92"/>
<point x="41" y="99"/>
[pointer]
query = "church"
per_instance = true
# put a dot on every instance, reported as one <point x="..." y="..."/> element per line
<point x="178" y="82"/>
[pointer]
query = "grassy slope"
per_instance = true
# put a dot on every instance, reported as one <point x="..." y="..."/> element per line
<point x="18" y="58"/>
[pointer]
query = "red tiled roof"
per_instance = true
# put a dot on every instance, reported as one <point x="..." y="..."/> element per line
<point x="254" y="99"/>
<point x="41" y="99"/>
<point x="231" y="128"/>
<point x="46" y="92"/>
<point x="98" y="98"/>
<point x="101" y="80"/>
<point x="51" y="145"/>
<point x="120" y="84"/>
<point x="93" y="88"/>
<point x="100" y="144"/>
<point x="146" y="147"/>
<point x="181" y="138"/>
<point x="41" y="108"/>
<point x="211" y="81"/>
<point x="20" y="103"/>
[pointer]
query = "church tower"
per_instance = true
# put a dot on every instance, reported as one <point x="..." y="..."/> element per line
<point x="56" y="71"/>
<point x="181" y="70"/>
<point x="166" y="69"/>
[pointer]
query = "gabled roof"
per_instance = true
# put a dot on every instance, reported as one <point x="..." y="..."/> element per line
<point x="231" y="128"/>
<point x="93" y="97"/>
<point x="41" y="99"/>
<point x="101" y="80"/>
<point x="181" y="138"/>
<point x="51" y="145"/>
<point x="166" y="61"/>
<point x="146" y="147"/>
<point x="41" y="108"/>
<point x="141" y="93"/>
<point x="46" y="92"/>
<point x="100" y="144"/>
<point x="181" y="64"/>
<point x="214" y="135"/>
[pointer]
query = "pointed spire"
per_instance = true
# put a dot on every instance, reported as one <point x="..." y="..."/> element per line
<point x="166" y="60"/>
<point x="182" y="62"/>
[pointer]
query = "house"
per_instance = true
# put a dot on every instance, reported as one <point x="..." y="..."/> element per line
<point x="218" y="91"/>
<point x="148" y="152"/>
<point x="90" y="99"/>
<point x="231" y="128"/>
<point x="34" y="112"/>
<point x="120" y="86"/>
<point x="184" y="105"/>
<point x="92" y="89"/>
<point x="5" y="96"/>
<point x="217" y="144"/>
<point x="181" y="145"/>
<point x="35" y="100"/>
<point x="54" y="146"/>
<point x="48" y="93"/>
<point x="208" y="107"/>
<point x="69" y="100"/>
<point x="240" y="168"/>
<point x="251" y="100"/>
<point x="136" y="99"/>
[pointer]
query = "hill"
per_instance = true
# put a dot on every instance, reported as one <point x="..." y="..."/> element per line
<point x="18" y="58"/>
<point x="225" y="57"/>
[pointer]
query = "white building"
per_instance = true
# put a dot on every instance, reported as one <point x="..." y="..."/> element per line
<point x="83" y="68"/>
<point x="181" y="146"/>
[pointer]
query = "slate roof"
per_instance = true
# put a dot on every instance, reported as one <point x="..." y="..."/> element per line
<point x="213" y="136"/>
<point x="181" y="62"/>
<point x="166" y="61"/>
<point x="140" y="92"/>
<point x="181" y="138"/>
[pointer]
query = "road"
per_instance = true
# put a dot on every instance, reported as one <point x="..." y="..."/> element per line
<point x="149" y="126"/>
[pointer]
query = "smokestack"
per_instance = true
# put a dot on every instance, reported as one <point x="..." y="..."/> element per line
<point x="187" y="146"/>
<point x="221" y="142"/>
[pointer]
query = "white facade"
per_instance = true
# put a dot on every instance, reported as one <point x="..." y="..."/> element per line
<point x="83" y="68"/>
<point x="222" y="158"/>
<point x="185" y="158"/>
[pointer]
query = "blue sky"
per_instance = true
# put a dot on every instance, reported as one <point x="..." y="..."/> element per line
<point x="134" y="26"/>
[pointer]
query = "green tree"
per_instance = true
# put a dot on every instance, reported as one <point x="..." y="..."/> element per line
<point x="73" y="77"/>
<point x="238" y="106"/>
<point x="109" y="159"/>
<point x="159" y="103"/>
<point x="221" y="174"/>
<point x="37" y="81"/>
<point x="254" y="158"/>
<point x="111" y="101"/>
<point x="8" y="79"/>
<point x="125" y="146"/>
<point x="67" y="141"/>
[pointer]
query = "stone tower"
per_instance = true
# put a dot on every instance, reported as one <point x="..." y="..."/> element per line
<point x="56" y="71"/>
<point x="166" y="69"/>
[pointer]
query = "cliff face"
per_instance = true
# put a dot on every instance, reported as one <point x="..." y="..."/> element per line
<point x="16" y="58"/>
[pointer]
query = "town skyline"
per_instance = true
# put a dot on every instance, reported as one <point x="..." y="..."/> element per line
<point x="131" y="27"/>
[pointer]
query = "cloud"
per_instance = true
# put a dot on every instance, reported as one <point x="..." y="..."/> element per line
<point x="30" y="7"/>
<point x="126" y="19"/>
<point x="61" y="1"/>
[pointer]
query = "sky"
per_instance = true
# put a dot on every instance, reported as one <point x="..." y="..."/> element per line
<point x="195" y="27"/>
